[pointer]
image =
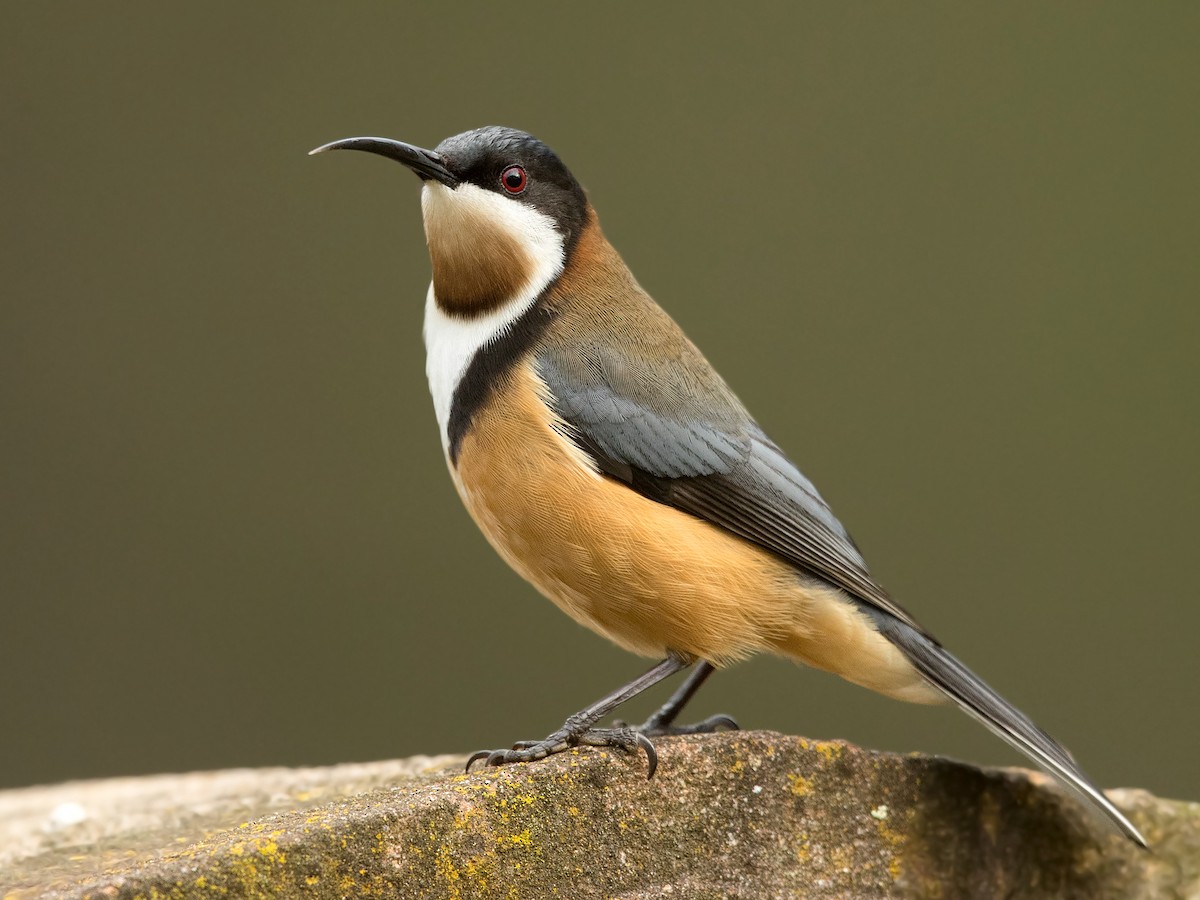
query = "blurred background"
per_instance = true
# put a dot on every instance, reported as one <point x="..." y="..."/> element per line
<point x="947" y="254"/>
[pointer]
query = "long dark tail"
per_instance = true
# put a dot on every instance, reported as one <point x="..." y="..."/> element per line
<point x="976" y="699"/>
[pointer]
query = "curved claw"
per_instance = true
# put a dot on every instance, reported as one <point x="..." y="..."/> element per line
<point x="651" y="754"/>
<point x="729" y="722"/>
<point x="476" y="756"/>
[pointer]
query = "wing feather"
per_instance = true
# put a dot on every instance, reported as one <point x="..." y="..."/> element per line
<point x="724" y="470"/>
<point x="690" y="444"/>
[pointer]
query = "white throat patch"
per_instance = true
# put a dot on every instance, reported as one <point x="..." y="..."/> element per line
<point x="451" y="342"/>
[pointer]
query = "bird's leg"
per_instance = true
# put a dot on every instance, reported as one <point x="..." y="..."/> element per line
<point x="662" y="722"/>
<point x="578" y="728"/>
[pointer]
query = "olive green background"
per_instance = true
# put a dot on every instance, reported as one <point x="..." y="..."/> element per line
<point x="946" y="253"/>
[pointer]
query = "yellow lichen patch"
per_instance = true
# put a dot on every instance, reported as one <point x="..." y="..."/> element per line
<point x="310" y="880"/>
<point x="801" y="786"/>
<point x="894" y="840"/>
<point x="829" y="750"/>
<point x="444" y="863"/>
<point x="737" y="767"/>
<point x="465" y="815"/>
<point x="890" y="836"/>
<point x="522" y="838"/>
<point x="271" y="850"/>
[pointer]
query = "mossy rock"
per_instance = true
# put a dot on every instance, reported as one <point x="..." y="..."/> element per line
<point x="743" y="814"/>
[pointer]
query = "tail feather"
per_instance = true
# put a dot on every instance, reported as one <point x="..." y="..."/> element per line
<point x="978" y="700"/>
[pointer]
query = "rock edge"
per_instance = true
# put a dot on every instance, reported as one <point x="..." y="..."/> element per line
<point x="742" y="814"/>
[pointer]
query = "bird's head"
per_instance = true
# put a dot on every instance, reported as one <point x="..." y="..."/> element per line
<point x="502" y="213"/>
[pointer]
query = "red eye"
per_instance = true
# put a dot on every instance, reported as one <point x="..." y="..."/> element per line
<point x="513" y="179"/>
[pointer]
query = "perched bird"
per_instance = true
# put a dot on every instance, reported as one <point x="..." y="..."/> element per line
<point x="610" y="465"/>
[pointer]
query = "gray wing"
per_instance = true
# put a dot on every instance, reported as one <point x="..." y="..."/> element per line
<point x="687" y="442"/>
<point x="666" y="443"/>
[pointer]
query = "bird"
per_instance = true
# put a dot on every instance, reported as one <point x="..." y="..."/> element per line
<point x="610" y="465"/>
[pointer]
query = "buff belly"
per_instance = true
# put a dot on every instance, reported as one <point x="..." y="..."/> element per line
<point x="647" y="576"/>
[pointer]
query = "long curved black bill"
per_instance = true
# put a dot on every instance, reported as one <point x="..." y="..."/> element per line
<point x="425" y="163"/>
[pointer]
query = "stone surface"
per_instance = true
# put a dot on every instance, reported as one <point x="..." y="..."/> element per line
<point x="748" y="815"/>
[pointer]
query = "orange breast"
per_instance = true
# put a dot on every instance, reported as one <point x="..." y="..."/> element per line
<point x="645" y="575"/>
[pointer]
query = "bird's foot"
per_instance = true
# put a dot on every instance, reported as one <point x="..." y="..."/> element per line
<point x="627" y="740"/>
<point x="657" y="727"/>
